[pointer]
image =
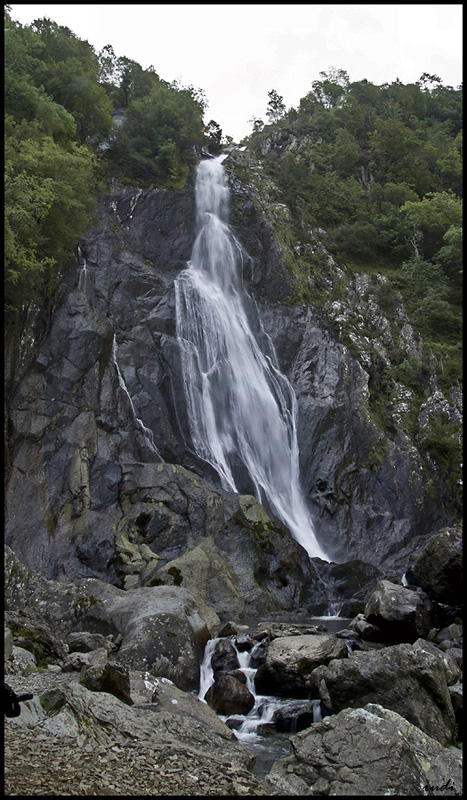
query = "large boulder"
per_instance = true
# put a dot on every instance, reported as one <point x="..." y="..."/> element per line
<point x="439" y="568"/>
<point x="404" y="678"/>
<point x="163" y="629"/>
<point x="160" y="629"/>
<point x="290" y="661"/>
<point x="401" y="614"/>
<point x="370" y="751"/>
<point x="228" y="695"/>
<point x="102" y="718"/>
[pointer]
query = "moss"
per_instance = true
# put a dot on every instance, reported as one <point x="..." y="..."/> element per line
<point x="84" y="603"/>
<point x="176" y="575"/>
<point x="376" y="456"/>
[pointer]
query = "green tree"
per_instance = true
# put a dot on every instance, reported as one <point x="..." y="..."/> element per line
<point x="430" y="219"/>
<point x="68" y="70"/>
<point x="276" y="107"/>
<point x="153" y="143"/>
<point x="49" y="202"/>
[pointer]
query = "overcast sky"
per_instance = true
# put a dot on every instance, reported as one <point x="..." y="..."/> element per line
<point x="237" y="53"/>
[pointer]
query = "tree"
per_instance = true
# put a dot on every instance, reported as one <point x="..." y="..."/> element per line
<point x="153" y="143"/>
<point x="275" y="107"/>
<point x="213" y="131"/>
<point x="49" y="202"/>
<point x="67" y="69"/>
<point x="257" y="124"/>
<point x="431" y="219"/>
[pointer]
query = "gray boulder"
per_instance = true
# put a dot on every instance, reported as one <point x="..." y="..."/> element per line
<point x="100" y="718"/>
<point x="85" y="642"/>
<point x="404" y="678"/>
<point x="106" y="675"/>
<point x="290" y="661"/>
<point x="370" y="751"/>
<point x="161" y="629"/>
<point x="401" y="614"/>
<point x="439" y="568"/>
<point x="224" y="657"/>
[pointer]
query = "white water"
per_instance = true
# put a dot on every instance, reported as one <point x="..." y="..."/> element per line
<point x="147" y="433"/>
<point x="83" y="275"/>
<point x="241" y="409"/>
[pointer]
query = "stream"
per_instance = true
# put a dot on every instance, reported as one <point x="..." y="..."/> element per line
<point x="257" y="730"/>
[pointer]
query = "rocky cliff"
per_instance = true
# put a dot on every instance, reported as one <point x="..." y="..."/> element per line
<point x="102" y="480"/>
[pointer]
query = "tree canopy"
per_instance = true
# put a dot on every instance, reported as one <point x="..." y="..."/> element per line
<point x="379" y="169"/>
<point x="61" y="143"/>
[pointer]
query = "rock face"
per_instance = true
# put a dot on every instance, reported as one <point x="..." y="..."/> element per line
<point x="102" y="478"/>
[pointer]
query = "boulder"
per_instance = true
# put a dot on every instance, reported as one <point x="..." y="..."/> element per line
<point x="100" y="718"/>
<point x="85" y="642"/>
<point x="290" y="661"/>
<point x="370" y="751"/>
<point x="296" y="715"/>
<point x="224" y="657"/>
<point x="102" y="674"/>
<point x="400" y="614"/>
<point x="227" y="695"/>
<point x="438" y="569"/>
<point x="161" y="629"/>
<point x="36" y="636"/>
<point x="404" y="678"/>
<point x="167" y="697"/>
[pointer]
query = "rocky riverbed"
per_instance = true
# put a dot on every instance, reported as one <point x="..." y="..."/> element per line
<point x="106" y="719"/>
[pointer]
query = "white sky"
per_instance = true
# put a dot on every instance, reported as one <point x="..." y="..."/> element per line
<point x="237" y="53"/>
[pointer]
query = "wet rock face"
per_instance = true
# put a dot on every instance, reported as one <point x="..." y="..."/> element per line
<point x="401" y="615"/>
<point x="291" y="660"/>
<point x="102" y="406"/>
<point x="227" y="695"/>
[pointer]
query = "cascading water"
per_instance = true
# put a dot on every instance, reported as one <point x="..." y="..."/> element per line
<point x="147" y="434"/>
<point x="241" y="409"/>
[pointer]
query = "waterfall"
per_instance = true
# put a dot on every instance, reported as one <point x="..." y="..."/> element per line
<point x="241" y="408"/>
<point x="82" y="283"/>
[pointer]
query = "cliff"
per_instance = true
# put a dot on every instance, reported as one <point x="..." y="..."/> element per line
<point x="102" y="480"/>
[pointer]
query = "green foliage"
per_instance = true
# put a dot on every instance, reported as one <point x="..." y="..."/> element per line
<point x="48" y="203"/>
<point x="61" y="141"/>
<point x="67" y="68"/>
<point x="380" y="169"/>
<point x="153" y="143"/>
<point x="276" y="106"/>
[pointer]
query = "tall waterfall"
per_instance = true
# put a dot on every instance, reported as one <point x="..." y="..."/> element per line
<point x="241" y="409"/>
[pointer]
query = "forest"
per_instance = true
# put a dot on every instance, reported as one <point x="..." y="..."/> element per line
<point x="376" y="169"/>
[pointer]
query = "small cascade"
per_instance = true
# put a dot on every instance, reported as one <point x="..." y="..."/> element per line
<point x="206" y="677"/>
<point x="317" y="715"/>
<point x="147" y="434"/>
<point x="266" y="728"/>
<point x="83" y="275"/>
